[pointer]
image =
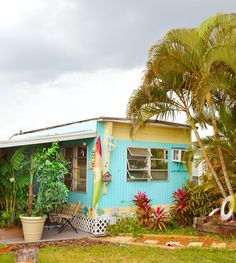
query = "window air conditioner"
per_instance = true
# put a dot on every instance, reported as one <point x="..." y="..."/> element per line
<point x="178" y="155"/>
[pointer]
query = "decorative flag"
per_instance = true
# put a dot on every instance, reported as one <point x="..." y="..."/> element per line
<point x="97" y="171"/>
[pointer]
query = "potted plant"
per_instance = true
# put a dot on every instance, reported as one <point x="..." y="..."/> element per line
<point x="47" y="167"/>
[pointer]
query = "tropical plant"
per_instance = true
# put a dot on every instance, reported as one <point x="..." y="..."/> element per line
<point x="158" y="219"/>
<point x="201" y="201"/>
<point x="144" y="209"/>
<point x="147" y="216"/>
<point x="186" y="71"/>
<point x="180" y="208"/>
<point x="48" y="168"/>
<point x="192" y="201"/>
<point x="12" y="182"/>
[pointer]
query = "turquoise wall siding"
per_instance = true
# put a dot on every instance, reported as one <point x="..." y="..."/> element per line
<point x="120" y="192"/>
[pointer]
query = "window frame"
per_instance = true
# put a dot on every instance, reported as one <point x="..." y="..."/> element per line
<point x="149" y="168"/>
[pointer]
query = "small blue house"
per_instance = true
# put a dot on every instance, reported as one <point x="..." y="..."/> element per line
<point x="151" y="162"/>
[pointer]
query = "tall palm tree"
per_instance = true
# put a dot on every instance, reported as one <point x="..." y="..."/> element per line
<point x="178" y="68"/>
<point x="227" y="131"/>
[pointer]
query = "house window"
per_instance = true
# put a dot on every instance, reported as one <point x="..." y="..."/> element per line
<point x="76" y="179"/>
<point x="147" y="164"/>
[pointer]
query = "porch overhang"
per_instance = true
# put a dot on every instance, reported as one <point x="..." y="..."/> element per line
<point x="47" y="139"/>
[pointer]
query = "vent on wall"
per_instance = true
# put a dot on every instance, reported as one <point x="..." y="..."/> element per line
<point x="178" y="155"/>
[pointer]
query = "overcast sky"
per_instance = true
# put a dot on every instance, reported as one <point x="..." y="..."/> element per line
<point x="67" y="60"/>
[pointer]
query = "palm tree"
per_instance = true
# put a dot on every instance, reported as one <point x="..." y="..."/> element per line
<point x="227" y="130"/>
<point x="178" y="69"/>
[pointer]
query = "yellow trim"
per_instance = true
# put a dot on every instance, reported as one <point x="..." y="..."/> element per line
<point x="121" y="131"/>
<point x="107" y="132"/>
<point x="106" y="159"/>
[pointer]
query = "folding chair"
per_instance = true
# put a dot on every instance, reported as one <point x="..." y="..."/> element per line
<point x="67" y="218"/>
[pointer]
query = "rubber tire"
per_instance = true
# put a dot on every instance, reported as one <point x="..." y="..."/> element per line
<point x="229" y="215"/>
<point x="213" y="212"/>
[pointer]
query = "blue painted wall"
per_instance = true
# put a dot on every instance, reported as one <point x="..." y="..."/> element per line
<point x="121" y="191"/>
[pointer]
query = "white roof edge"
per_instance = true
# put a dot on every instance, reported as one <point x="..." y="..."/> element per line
<point x="47" y="139"/>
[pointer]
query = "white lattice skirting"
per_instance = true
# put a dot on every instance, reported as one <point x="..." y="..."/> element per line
<point x="96" y="226"/>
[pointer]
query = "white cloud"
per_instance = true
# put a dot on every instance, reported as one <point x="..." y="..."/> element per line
<point x="71" y="97"/>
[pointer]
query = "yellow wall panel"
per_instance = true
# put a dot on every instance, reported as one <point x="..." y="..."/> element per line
<point x="121" y="131"/>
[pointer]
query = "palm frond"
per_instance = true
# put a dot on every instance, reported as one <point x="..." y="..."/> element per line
<point x="18" y="158"/>
<point x="225" y="54"/>
<point x="221" y="81"/>
<point x="5" y="168"/>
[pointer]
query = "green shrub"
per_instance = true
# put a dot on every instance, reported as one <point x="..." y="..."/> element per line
<point x="198" y="201"/>
<point x="125" y="225"/>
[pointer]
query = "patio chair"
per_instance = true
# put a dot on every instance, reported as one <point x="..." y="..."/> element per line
<point x="67" y="218"/>
<point x="52" y="218"/>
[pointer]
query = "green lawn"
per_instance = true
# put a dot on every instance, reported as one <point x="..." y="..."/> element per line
<point x="129" y="254"/>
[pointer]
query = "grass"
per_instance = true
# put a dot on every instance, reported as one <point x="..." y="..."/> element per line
<point x="130" y="254"/>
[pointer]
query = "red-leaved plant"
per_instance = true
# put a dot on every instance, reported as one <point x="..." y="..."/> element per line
<point x="180" y="207"/>
<point x="141" y="199"/>
<point x="148" y="216"/>
<point x="158" y="219"/>
<point x="144" y="209"/>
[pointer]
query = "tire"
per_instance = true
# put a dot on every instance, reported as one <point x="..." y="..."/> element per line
<point x="227" y="216"/>
<point x="215" y="211"/>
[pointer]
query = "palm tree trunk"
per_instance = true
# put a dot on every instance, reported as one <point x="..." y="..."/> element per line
<point x="30" y="199"/>
<point x="206" y="155"/>
<point x="220" y="153"/>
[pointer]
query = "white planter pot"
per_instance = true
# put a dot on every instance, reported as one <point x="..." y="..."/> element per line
<point x="32" y="227"/>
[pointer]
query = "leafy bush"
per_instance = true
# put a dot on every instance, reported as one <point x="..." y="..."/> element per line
<point x="50" y="171"/>
<point x="131" y="226"/>
<point x="192" y="201"/>
<point x="147" y="216"/>
<point x="201" y="201"/>
<point x="125" y="225"/>
<point x="4" y="218"/>
<point x="12" y="182"/>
